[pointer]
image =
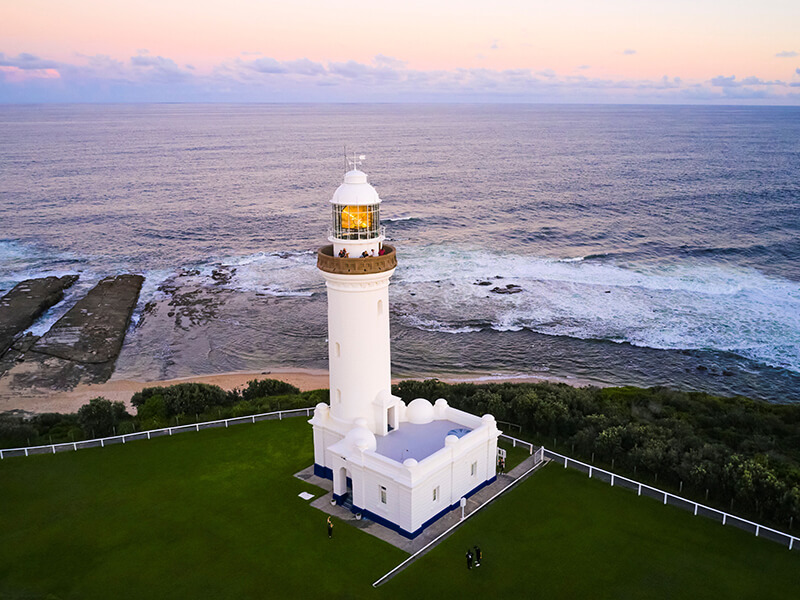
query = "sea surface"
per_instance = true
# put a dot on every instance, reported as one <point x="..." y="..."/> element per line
<point x="652" y="245"/>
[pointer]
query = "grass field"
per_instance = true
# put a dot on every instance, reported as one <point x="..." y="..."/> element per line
<point x="215" y="514"/>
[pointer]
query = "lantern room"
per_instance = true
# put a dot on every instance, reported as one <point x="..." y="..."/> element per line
<point x="356" y="224"/>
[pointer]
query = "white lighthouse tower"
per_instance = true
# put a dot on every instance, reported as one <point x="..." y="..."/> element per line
<point x="402" y="466"/>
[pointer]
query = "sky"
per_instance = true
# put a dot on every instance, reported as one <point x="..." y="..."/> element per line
<point x="555" y="51"/>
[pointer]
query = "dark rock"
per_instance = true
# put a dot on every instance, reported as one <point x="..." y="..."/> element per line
<point x="223" y="275"/>
<point x="93" y="330"/>
<point x="511" y="288"/>
<point x="82" y="347"/>
<point x="24" y="343"/>
<point x="26" y="302"/>
<point x="483" y="283"/>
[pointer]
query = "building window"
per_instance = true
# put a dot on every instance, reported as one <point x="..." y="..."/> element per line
<point x="436" y="493"/>
<point x="474" y="469"/>
<point x="383" y="495"/>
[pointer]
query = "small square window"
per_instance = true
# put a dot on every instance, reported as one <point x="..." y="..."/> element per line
<point x="474" y="469"/>
<point x="436" y="493"/>
<point x="383" y="495"/>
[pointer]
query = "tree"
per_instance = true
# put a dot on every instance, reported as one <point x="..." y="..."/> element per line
<point x="100" y="416"/>
<point x="184" y="398"/>
<point x="267" y="387"/>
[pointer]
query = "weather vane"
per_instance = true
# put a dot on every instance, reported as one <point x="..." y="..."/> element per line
<point x="355" y="162"/>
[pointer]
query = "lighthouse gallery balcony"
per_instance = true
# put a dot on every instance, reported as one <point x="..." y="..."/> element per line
<point x="326" y="261"/>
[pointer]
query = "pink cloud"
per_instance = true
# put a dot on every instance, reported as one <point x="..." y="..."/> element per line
<point x="17" y="75"/>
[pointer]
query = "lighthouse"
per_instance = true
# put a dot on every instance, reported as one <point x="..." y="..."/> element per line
<point x="402" y="466"/>
<point x="357" y="266"/>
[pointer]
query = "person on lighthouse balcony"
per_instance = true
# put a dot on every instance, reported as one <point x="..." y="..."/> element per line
<point x="402" y="466"/>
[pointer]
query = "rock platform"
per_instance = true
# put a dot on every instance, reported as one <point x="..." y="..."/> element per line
<point x="82" y="346"/>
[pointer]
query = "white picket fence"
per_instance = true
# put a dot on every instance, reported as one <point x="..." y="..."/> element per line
<point x="679" y="501"/>
<point x="151" y="433"/>
<point x="541" y="453"/>
<point x="515" y="442"/>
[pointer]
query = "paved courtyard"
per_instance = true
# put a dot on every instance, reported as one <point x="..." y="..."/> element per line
<point x="323" y="503"/>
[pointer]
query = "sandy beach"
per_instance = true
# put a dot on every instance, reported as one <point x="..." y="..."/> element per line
<point x="42" y="401"/>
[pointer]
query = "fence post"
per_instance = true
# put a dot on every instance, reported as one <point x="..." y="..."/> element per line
<point x="102" y="444"/>
<point x="724" y="518"/>
<point x="197" y="427"/>
<point x="2" y="457"/>
<point x="148" y="434"/>
<point x="695" y="508"/>
<point x="75" y="446"/>
<point x="758" y="528"/>
<point x="565" y="462"/>
<point x="590" y="472"/>
<point x="665" y="497"/>
<point x="280" y="416"/>
<point x="170" y="430"/>
<point x="612" y="480"/>
<point x="54" y="449"/>
<point x="640" y="490"/>
<point x="513" y="442"/>
<point x="254" y="419"/>
<point x="26" y="452"/>
<point x="123" y="439"/>
<point x="226" y="423"/>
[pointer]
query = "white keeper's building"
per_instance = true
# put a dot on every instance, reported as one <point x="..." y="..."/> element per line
<point x="402" y="466"/>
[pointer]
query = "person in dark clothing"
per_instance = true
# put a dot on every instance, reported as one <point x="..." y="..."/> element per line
<point x="478" y="556"/>
<point x="469" y="558"/>
<point x="330" y="528"/>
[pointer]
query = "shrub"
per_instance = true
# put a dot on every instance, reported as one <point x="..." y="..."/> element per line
<point x="15" y="433"/>
<point x="100" y="417"/>
<point x="184" y="398"/>
<point x="126" y="427"/>
<point x="267" y="387"/>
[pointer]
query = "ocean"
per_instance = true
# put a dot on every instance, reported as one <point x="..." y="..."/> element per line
<point x="652" y="245"/>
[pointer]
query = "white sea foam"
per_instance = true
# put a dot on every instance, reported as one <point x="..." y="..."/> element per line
<point x="687" y="305"/>
<point x="681" y="306"/>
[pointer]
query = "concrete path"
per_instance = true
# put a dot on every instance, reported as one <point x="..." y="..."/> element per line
<point x="433" y="531"/>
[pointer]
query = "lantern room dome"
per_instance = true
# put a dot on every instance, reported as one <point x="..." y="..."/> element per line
<point x="355" y="191"/>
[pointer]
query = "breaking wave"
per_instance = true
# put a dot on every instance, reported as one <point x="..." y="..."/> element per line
<point x="692" y="305"/>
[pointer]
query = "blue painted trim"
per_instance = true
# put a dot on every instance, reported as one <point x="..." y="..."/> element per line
<point x="323" y="472"/>
<point x="413" y="534"/>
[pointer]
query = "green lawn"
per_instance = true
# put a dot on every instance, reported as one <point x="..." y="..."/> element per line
<point x="198" y="515"/>
<point x="215" y="514"/>
<point x="563" y="535"/>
